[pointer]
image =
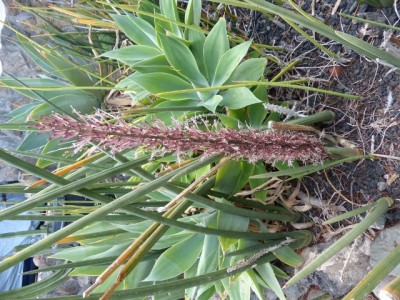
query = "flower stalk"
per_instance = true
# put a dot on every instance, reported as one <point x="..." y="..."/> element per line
<point x="248" y="143"/>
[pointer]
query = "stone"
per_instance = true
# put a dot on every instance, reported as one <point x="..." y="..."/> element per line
<point x="383" y="244"/>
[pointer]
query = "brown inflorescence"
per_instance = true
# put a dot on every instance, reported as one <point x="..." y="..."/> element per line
<point x="248" y="143"/>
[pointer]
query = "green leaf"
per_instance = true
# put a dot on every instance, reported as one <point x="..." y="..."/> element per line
<point x="34" y="54"/>
<point x="193" y="12"/>
<point x="212" y="103"/>
<point x="37" y="83"/>
<point x="197" y="40"/>
<point x="267" y="274"/>
<point x="170" y="10"/>
<point x="137" y="29"/>
<point x="230" y="122"/>
<point x="132" y="54"/>
<point x="288" y="256"/>
<point x="183" y="61"/>
<point x="177" y="259"/>
<point x="369" y="50"/>
<point x="68" y="103"/>
<point x="228" y="63"/>
<point x="53" y="146"/>
<point x="237" y="98"/>
<point x="163" y="82"/>
<point x="158" y="64"/>
<point x="33" y="140"/>
<point x="231" y="222"/>
<point x="251" y="69"/>
<point x="233" y="176"/>
<point x="21" y="110"/>
<point x="259" y="168"/>
<point x="237" y="289"/>
<point x="215" y="46"/>
<point x="80" y="253"/>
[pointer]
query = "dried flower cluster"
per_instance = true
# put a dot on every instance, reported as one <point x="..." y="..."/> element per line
<point x="248" y="143"/>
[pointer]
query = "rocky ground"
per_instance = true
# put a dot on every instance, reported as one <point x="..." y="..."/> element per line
<point x="372" y="124"/>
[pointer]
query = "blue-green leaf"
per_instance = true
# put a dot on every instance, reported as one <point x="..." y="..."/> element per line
<point x="193" y="12"/>
<point x="215" y="46"/>
<point x="237" y="98"/>
<point x="228" y="63"/>
<point x="132" y="54"/>
<point x="170" y="10"/>
<point x="251" y="69"/>
<point x="212" y="103"/>
<point x="137" y="29"/>
<point x="177" y="259"/>
<point x="183" y="61"/>
<point x="34" y="140"/>
<point x="162" y="82"/>
<point x="67" y="103"/>
<point x="231" y="222"/>
<point x="267" y="274"/>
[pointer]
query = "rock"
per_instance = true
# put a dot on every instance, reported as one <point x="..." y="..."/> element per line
<point x="381" y="186"/>
<point x="384" y="243"/>
<point x="338" y="275"/>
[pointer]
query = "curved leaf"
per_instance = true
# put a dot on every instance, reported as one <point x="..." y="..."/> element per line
<point x="231" y="222"/>
<point x="132" y="54"/>
<point x="138" y="30"/>
<point x="237" y="98"/>
<point x="68" y="103"/>
<point x="170" y="10"/>
<point x="34" y="140"/>
<point x="183" y="61"/>
<point x="228" y="63"/>
<point x="177" y="259"/>
<point x="193" y="12"/>
<point x="251" y="69"/>
<point x="163" y="82"/>
<point x="215" y="46"/>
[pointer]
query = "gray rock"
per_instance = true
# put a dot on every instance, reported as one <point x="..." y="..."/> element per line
<point x="338" y="275"/>
<point x="384" y="243"/>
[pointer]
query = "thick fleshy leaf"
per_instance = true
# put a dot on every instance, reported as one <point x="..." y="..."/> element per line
<point x="212" y="103"/>
<point x="21" y="110"/>
<point x="259" y="168"/>
<point x="267" y="274"/>
<point x="177" y="259"/>
<point x="288" y="256"/>
<point x="208" y="262"/>
<point x="67" y="103"/>
<point x="170" y="10"/>
<point x="132" y="54"/>
<point x="251" y="69"/>
<point x="80" y="253"/>
<point x="233" y="176"/>
<point x="231" y="222"/>
<point x="236" y="288"/>
<point x="38" y="83"/>
<point x="193" y="12"/>
<point x="157" y="64"/>
<point x="137" y="29"/>
<point x="237" y="98"/>
<point x="215" y="46"/>
<point x="228" y="63"/>
<point x="34" y="140"/>
<point x="197" y="40"/>
<point x="53" y="147"/>
<point x="183" y="61"/>
<point x="162" y="82"/>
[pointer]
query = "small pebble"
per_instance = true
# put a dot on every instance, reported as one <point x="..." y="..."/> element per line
<point x="381" y="186"/>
